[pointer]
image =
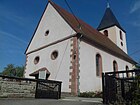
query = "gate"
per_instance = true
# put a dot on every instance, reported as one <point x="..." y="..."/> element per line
<point x="119" y="87"/>
<point x="48" y="89"/>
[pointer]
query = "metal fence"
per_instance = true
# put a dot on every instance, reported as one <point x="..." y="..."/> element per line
<point x="44" y="88"/>
<point x="120" y="87"/>
<point x="48" y="89"/>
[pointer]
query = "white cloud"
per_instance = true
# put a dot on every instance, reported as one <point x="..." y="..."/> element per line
<point x="7" y="15"/>
<point x="136" y="24"/>
<point x="13" y="37"/>
<point x="11" y="44"/>
<point x="11" y="51"/>
<point x="135" y="7"/>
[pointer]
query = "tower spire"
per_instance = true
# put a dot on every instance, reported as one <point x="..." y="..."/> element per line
<point x="109" y="20"/>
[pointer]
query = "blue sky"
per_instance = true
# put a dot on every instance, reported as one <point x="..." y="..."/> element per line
<point x="19" y="18"/>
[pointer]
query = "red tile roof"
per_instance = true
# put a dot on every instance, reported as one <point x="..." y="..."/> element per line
<point x="92" y="35"/>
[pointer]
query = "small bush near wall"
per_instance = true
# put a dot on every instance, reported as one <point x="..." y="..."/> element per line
<point x="136" y="92"/>
<point x="96" y="94"/>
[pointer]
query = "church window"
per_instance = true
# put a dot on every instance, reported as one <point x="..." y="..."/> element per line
<point x="121" y="43"/>
<point x="36" y="60"/>
<point x="98" y="65"/>
<point x="54" y="55"/>
<point x="115" y="66"/>
<point x="127" y="68"/>
<point x="106" y="32"/>
<point x="47" y="33"/>
<point x="121" y="37"/>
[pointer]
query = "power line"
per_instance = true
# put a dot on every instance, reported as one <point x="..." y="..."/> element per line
<point x="73" y="13"/>
<point x="134" y="52"/>
<point x="62" y="59"/>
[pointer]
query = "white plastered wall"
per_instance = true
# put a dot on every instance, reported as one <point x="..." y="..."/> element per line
<point x="124" y="47"/>
<point x="111" y="34"/>
<point x="57" y="26"/>
<point x="58" y="29"/>
<point x="114" y="36"/>
<point x="58" y="68"/>
<point x="88" y="79"/>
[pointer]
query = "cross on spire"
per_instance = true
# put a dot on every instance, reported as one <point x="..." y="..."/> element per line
<point x="108" y="5"/>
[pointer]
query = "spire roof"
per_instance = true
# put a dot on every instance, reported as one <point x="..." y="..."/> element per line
<point x="109" y="20"/>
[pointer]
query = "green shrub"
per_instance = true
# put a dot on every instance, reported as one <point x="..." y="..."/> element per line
<point x="96" y="94"/>
<point x="136" y="92"/>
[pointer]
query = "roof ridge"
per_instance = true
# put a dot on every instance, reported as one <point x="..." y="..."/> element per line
<point x="89" y="32"/>
<point x="62" y="12"/>
<point x="92" y="33"/>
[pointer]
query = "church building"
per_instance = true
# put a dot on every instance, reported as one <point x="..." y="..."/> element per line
<point x="67" y="49"/>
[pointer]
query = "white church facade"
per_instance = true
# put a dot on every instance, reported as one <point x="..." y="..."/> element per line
<point x="73" y="52"/>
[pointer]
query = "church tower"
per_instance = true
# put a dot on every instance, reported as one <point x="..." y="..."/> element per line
<point x="110" y="27"/>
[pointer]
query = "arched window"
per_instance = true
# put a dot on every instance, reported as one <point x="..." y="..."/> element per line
<point x="121" y="43"/>
<point x="121" y="37"/>
<point x="98" y="65"/>
<point x="105" y="32"/>
<point x="115" y="66"/>
<point x="127" y="68"/>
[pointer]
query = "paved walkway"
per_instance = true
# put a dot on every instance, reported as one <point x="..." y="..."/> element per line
<point x="95" y="100"/>
<point x="64" y="101"/>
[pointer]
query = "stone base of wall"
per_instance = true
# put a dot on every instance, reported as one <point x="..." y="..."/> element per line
<point x="17" y="89"/>
<point x="67" y="94"/>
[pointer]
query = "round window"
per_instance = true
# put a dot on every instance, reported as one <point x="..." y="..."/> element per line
<point x="47" y="33"/>
<point x="36" y="60"/>
<point x="54" y="55"/>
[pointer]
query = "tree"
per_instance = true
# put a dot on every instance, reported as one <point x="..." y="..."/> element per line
<point x="20" y="71"/>
<point x="11" y="70"/>
<point x="8" y="70"/>
<point x="137" y="66"/>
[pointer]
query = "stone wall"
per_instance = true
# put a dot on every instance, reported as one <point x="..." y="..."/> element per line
<point x="17" y="89"/>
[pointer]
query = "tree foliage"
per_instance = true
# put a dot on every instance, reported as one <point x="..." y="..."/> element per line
<point x="138" y="66"/>
<point x="136" y="92"/>
<point x="11" y="70"/>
